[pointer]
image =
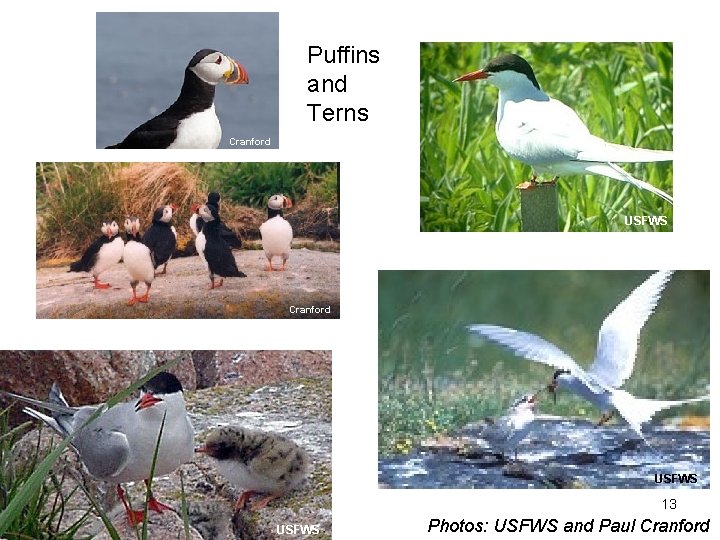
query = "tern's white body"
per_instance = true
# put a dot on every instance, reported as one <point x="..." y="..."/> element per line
<point x="548" y="135"/>
<point x="505" y="433"/>
<point x="119" y="445"/>
<point x="614" y="359"/>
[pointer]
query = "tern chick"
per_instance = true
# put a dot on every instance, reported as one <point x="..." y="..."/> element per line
<point x="505" y="433"/>
<point x="257" y="462"/>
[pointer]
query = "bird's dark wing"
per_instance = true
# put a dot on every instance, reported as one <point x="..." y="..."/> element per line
<point x="232" y="239"/>
<point x="161" y="241"/>
<point x="87" y="261"/>
<point x="156" y="133"/>
<point x="220" y="260"/>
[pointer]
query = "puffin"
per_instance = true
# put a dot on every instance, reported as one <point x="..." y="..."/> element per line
<point x="138" y="261"/>
<point x="161" y="237"/>
<point x="191" y="121"/>
<point x="256" y="462"/>
<point x="217" y="253"/>
<point x="276" y="233"/>
<point x="196" y="224"/>
<point x="105" y="251"/>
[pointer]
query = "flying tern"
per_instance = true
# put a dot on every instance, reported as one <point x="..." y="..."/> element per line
<point x="614" y="358"/>
<point x="548" y="135"/>
<point x="118" y="446"/>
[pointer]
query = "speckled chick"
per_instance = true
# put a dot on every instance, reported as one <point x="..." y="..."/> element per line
<point x="256" y="462"/>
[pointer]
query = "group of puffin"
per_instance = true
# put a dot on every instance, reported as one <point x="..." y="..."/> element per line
<point x="191" y="121"/>
<point x="214" y="241"/>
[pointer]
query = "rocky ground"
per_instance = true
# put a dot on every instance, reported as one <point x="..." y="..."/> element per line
<point x="308" y="288"/>
<point x="286" y="392"/>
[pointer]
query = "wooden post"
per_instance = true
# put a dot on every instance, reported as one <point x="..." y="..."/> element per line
<point x="539" y="207"/>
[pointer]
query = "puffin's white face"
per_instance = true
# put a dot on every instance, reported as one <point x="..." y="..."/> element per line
<point x="277" y="202"/>
<point x="110" y="228"/>
<point x="167" y="213"/>
<point x="217" y="67"/>
<point x="205" y="213"/>
<point x="128" y="225"/>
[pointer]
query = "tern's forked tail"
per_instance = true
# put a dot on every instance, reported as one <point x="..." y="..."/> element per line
<point x="637" y="411"/>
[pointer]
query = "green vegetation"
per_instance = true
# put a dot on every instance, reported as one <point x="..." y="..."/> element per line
<point x="433" y="378"/>
<point x="74" y="198"/>
<point x="622" y="91"/>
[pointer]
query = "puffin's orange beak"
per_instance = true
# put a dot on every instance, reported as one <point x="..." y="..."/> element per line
<point x="238" y="75"/>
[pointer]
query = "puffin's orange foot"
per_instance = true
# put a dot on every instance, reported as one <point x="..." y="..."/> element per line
<point x="100" y="285"/>
<point x="269" y="267"/>
<point x="135" y="517"/>
<point x="133" y="300"/>
<point x="213" y="286"/>
<point x="143" y="298"/>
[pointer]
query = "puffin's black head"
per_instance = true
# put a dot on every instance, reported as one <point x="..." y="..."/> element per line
<point x="195" y="60"/>
<point x="559" y="372"/>
<point x="214" y="198"/>
<point x="163" y="383"/>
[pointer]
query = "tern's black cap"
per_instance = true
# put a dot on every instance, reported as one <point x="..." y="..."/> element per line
<point x="163" y="383"/>
<point x="511" y="62"/>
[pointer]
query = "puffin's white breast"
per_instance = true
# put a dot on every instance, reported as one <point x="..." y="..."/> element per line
<point x="199" y="130"/>
<point x="200" y="242"/>
<point x="138" y="262"/>
<point x="108" y="255"/>
<point x="277" y="235"/>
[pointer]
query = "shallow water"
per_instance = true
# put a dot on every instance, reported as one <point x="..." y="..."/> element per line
<point x="562" y="453"/>
<point x="141" y="59"/>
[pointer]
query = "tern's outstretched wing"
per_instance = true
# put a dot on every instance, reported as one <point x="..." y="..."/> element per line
<point x="618" y="339"/>
<point x="533" y="348"/>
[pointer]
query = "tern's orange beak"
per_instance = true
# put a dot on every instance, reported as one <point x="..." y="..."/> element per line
<point x="146" y="400"/>
<point x="237" y="75"/>
<point x="475" y="75"/>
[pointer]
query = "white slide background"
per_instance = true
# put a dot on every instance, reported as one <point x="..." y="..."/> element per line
<point x="48" y="114"/>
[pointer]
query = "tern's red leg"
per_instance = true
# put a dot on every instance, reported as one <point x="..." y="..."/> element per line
<point x="155" y="505"/>
<point x="134" y="516"/>
<point x="262" y="503"/>
<point x="243" y="499"/>
<point x="99" y="284"/>
<point x="144" y="298"/>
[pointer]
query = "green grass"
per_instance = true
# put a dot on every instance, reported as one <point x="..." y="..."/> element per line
<point x="622" y="91"/>
<point x="434" y="378"/>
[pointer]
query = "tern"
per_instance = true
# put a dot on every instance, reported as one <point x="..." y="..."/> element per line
<point x="505" y="433"/>
<point x="614" y="359"/>
<point x="548" y="135"/>
<point x="118" y="446"/>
